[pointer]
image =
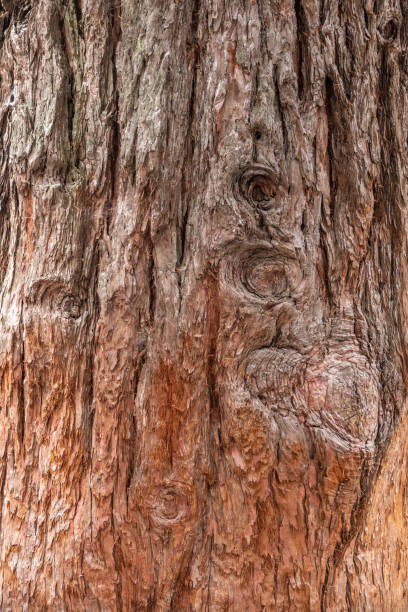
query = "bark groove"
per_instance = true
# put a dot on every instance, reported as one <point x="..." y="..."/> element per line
<point x="203" y="311"/>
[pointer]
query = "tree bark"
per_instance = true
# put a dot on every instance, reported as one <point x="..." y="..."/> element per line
<point x="203" y="305"/>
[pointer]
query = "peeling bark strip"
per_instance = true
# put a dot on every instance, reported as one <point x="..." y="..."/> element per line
<point x="203" y="285"/>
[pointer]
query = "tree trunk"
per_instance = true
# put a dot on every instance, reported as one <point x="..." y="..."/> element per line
<point x="204" y="305"/>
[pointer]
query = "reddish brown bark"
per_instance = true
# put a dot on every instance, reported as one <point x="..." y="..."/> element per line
<point x="203" y="315"/>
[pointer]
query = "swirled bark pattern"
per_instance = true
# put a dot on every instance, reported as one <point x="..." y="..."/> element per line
<point x="203" y="305"/>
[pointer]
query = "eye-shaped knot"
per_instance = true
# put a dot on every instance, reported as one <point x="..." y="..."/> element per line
<point x="268" y="275"/>
<point x="171" y="503"/>
<point x="70" y="307"/>
<point x="56" y="296"/>
<point x="389" y="31"/>
<point x="258" y="185"/>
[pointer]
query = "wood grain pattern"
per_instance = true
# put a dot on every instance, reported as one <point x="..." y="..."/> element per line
<point x="203" y="305"/>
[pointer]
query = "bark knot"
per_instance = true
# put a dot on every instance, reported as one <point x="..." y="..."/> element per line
<point x="258" y="185"/>
<point x="170" y="504"/>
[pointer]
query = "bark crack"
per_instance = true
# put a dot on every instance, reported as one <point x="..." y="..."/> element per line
<point x="299" y="40"/>
<point x="281" y="115"/>
<point x="115" y="132"/>
<point x="264" y="40"/>
<point x="210" y="564"/>
<point x="21" y="416"/>
<point x="152" y="285"/>
<point x="3" y="483"/>
<point x="78" y="14"/>
<point x="189" y="153"/>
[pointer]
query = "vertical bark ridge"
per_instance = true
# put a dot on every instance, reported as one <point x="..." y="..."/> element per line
<point x="203" y="345"/>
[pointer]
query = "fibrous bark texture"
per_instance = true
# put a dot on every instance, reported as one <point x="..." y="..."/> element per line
<point x="203" y="305"/>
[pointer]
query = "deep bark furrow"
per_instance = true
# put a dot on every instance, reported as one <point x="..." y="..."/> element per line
<point x="203" y="272"/>
<point x="114" y="115"/>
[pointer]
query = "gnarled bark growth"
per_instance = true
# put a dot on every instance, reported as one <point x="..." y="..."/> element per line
<point x="203" y="317"/>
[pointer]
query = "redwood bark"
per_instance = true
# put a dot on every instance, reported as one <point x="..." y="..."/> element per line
<point x="203" y="305"/>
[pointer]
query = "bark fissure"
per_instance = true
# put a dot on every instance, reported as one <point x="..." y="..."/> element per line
<point x="21" y="421"/>
<point x="78" y="14"/>
<point x="114" y="115"/>
<point x="300" y="42"/>
<point x="203" y="284"/>
<point x="3" y="483"/>
<point x="152" y="289"/>
<point x="70" y="83"/>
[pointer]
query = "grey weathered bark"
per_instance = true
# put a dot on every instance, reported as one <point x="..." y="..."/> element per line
<point x="204" y="313"/>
